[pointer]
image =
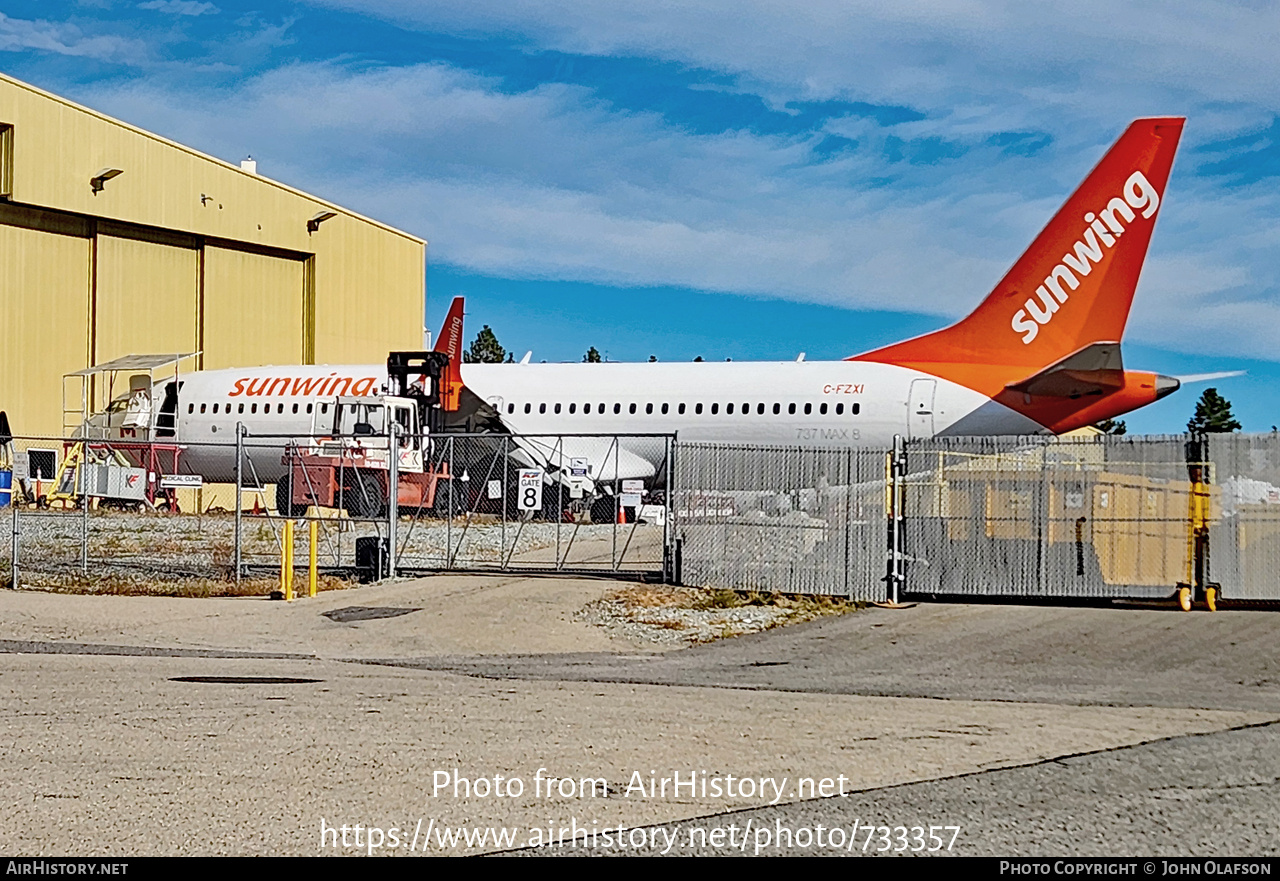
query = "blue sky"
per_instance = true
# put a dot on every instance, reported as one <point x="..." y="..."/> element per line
<point x="746" y="179"/>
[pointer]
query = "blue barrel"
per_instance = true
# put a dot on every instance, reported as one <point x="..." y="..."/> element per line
<point x="6" y="488"/>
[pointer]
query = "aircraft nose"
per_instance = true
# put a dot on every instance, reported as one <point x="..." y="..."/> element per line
<point x="1166" y="385"/>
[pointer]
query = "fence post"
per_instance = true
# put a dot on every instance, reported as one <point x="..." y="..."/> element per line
<point x="393" y="495"/>
<point x="448" y="517"/>
<point x="84" y="513"/>
<point x="849" y="481"/>
<point x="896" y="473"/>
<point x="506" y="469"/>
<point x="239" y="504"/>
<point x="668" y="565"/>
<point x="311" y="558"/>
<point x="13" y="546"/>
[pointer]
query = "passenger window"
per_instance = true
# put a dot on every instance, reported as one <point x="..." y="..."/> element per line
<point x="573" y="408"/>
<point x="295" y="408"/>
<point x="791" y="408"/>
<point x="215" y="408"/>
<point x="808" y="408"/>
<point x="280" y="408"/>
<point x="511" y="408"/>
<point x="324" y="408"/>
<point x="191" y="408"/>
<point x="542" y="408"/>
<point x="855" y="409"/>
<point x="632" y="409"/>
<point x="240" y="408"/>
<point x="202" y="406"/>
<point x="839" y="409"/>
<point x="681" y="409"/>
<point x="528" y="408"/>
<point x="777" y="408"/>
<point x="586" y="408"/>
<point x="617" y="408"/>
<point x="728" y="409"/>
<point x="600" y="408"/>
<point x="760" y="409"/>
<point x="309" y="406"/>
<point x="557" y="408"/>
<point x="821" y="409"/>
<point x="253" y="409"/>
<point x="664" y="409"/>
<point x="714" y="408"/>
<point x="648" y="408"/>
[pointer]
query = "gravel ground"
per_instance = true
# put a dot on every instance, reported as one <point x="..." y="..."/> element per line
<point x="167" y="549"/>
<point x="688" y="616"/>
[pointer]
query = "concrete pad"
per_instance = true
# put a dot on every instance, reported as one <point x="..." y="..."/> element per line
<point x="108" y="755"/>
<point x="460" y="614"/>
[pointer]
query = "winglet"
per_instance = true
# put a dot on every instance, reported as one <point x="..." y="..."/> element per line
<point x="450" y="343"/>
<point x="1073" y="287"/>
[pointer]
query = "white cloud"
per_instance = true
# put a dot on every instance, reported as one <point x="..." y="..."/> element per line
<point x="552" y="183"/>
<point x="21" y="35"/>
<point x="1085" y="59"/>
<point x="179" y="7"/>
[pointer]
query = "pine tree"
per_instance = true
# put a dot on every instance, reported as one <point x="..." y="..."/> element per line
<point x="485" y="349"/>
<point x="1112" y="426"/>
<point x="592" y="356"/>
<point x="1213" y="414"/>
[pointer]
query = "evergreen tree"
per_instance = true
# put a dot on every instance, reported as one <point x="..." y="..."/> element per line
<point x="653" y="358"/>
<point x="1112" y="426"/>
<point x="592" y="356"/>
<point x="485" y="349"/>
<point x="1213" y="414"/>
<point x="698" y="360"/>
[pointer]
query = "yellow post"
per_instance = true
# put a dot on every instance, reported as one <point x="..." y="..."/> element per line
<point x="311" y="569"/>
<point x="287" y="557"/>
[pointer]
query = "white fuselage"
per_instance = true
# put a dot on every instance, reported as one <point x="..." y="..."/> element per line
<point x="790" y="403"/>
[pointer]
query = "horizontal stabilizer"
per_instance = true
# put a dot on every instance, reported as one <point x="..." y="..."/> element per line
<point x="1094" y="370"/>
<point x="607" y="461"/>
<point x="1210" y="377"/>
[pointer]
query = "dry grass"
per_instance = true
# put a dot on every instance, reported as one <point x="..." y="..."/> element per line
<point x="681" y="609"/>
<point x="661" y="596"/>
<point x="142" y="585"/>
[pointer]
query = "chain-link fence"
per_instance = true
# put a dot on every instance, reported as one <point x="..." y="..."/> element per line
<point x="1090" y="517"/>
<point x="1244" y="533"/>
<point x="782" y="519"/>
<point x="121" y="515"/>
<point x="1106" y="516"/>
<point x="1032" y="517"/>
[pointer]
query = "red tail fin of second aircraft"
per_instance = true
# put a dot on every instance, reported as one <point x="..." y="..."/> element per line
<point x="1073" y="287"/>
<point x="450" y="343"/>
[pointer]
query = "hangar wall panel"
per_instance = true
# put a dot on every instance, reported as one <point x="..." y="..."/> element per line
<point x="44" y="313"/>
<point x="370" y="293"/>
<point x="252" y="309"/>
<point x="146" y="298"/>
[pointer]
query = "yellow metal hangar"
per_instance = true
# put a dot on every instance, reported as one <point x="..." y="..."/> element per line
<point x="115" y="241"/>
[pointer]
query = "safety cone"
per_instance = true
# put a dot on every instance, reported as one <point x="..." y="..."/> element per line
<point x="622" y="514"/>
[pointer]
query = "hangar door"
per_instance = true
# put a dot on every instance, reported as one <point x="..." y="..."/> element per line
<point x="253" y="309"/>
<point x="146" y="298"/>
<point x="44" y="310"/>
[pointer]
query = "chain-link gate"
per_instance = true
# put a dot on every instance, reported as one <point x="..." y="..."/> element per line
<point x="116" y="515"/>
<point x="782" y="519"/>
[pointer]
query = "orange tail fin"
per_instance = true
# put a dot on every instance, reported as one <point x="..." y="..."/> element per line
<point x="1073" y="286"/>
<point x="450" y="343"/>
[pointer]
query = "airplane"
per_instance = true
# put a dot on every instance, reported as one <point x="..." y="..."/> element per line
<point x="1040" y="354"/>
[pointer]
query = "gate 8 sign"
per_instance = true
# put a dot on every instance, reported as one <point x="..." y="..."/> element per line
<point x="530" y="489"/>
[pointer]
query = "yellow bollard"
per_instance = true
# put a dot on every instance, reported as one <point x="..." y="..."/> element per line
<point x="286" y="559"/>
<point x="311" y="569"/>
